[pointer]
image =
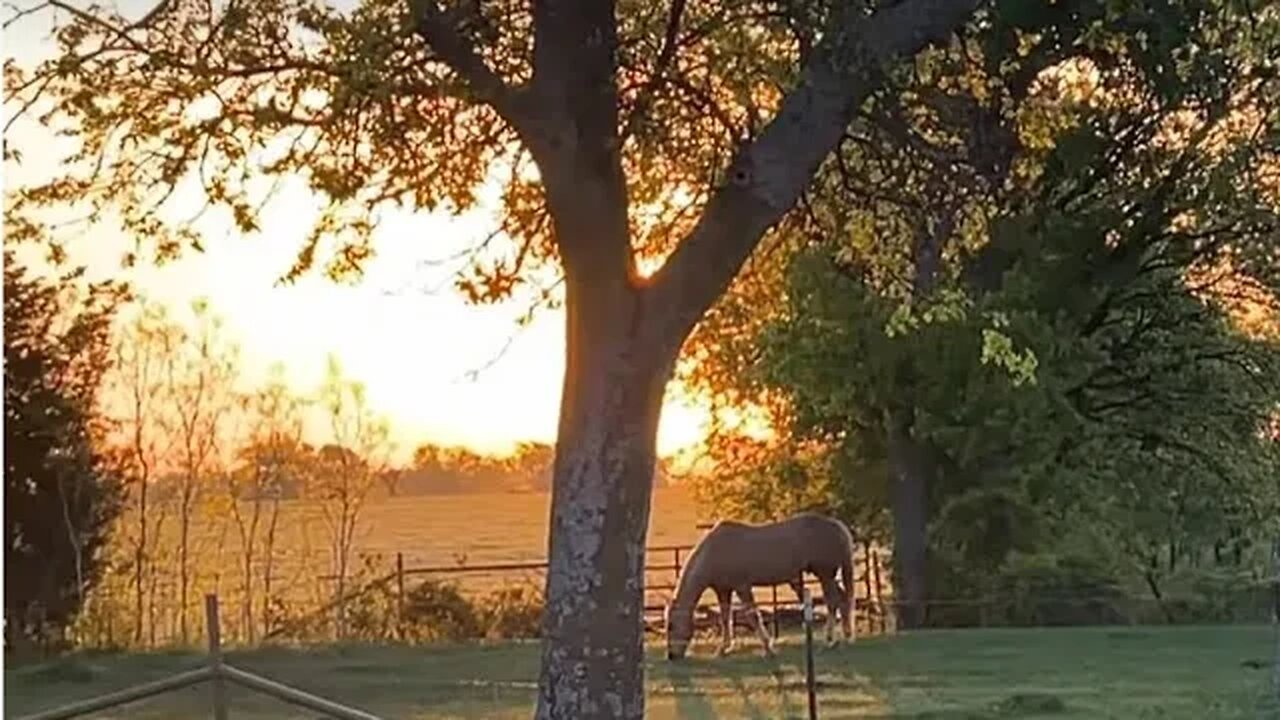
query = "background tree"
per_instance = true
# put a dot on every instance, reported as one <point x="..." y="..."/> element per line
<point x="199" y="383"/>
<point x="346" y="471"/>
<point x="62" y="491"/>
<point x="141" y="354"/>
<point x="531" y="466"/>
<point x="268" y="459"/>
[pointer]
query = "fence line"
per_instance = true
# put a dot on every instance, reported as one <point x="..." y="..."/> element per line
<point x="873" y="603"/>
<point x="868" y="575"/>
<point x="218" y="673"/>
<point x="298" y="603"/>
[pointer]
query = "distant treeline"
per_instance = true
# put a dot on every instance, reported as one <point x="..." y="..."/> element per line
<point x="451" y="470"/>
<point x="441" y="470"/>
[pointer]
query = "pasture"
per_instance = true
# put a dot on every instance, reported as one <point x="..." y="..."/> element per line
<point x="482" y="528"/>
<point x="1176" y="673"/>
<point x="429" y="530"/>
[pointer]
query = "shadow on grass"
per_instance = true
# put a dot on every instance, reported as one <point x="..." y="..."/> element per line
<point x="1173" y="673"/>
<point x="690" y="702"/>
<point x="1181" y="673"/>
<point x="749" y="708"/>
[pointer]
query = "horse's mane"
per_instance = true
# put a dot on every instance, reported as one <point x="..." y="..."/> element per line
<point x="692" y="570"/>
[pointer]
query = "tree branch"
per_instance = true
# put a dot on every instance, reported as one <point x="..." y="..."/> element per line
<point x="441" y="30"/>
<point x="769" y="174"/>
<point x="665" y="57"/>
<point x="575" y="142"/>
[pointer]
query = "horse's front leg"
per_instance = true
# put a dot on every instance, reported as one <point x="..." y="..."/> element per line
<point x="749" y="602"/>
<point x="725" y="597"/>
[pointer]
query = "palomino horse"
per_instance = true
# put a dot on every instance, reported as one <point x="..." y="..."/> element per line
<point x="734" y="556"/>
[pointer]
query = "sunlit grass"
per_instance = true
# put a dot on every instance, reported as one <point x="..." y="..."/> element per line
<point x="1190" y="673"/>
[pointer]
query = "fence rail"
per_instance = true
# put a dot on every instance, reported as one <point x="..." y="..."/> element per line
<point x="216" y="672"/>
<point x="372" y="601"/>
<point x="869" y="586"/>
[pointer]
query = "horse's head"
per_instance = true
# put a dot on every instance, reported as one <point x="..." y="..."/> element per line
<point x="679" y="630"/>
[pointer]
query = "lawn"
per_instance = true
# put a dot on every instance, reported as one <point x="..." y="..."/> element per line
<point x="1192" y="673"/>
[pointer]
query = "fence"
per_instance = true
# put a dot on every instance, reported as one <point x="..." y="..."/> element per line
<point x="878" y="610"/>
<point x="318" y="619"/>
<point x="304" y="609"/>
<point x="219" y="674"/>
<point x="869" y="591"/>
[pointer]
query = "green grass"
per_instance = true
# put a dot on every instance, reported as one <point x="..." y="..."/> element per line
<point x="1191" y="673"/>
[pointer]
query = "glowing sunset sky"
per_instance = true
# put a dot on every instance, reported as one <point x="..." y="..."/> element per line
<point x="403" y="331"/>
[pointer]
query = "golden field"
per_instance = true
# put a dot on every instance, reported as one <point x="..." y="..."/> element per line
<point x="427" y="530"/>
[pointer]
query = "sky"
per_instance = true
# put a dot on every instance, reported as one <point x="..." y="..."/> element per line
<point x="438" y="369"/>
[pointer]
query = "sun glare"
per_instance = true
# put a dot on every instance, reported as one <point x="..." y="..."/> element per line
<point x="436" y="367"/>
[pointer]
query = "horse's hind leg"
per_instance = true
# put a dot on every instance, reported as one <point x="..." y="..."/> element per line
<point x="833" y="598"/>
<point x="749" y="602"/>
<point x="849" y="611"/>
<point x="726" y="620"/>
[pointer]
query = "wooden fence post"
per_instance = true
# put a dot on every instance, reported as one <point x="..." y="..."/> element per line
<point x="400" y="595"/>
<point x="215" y="657"/>
<point x="880" y="609"/>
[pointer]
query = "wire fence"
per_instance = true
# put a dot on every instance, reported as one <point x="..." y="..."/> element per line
<point x="372" y="602"/>
<point x="391" y="600"/>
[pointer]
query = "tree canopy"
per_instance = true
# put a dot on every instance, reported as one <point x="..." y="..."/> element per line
<point x="1040" y="260"/>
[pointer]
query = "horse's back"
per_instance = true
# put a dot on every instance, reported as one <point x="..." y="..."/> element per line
<point x="807" y="527"/>
<point x="775" y="552"/>
<point x="818" y="527"/>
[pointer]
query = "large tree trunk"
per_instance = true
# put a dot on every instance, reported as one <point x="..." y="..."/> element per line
<point x="909" y="470"/>
<point x="593" y="643"/>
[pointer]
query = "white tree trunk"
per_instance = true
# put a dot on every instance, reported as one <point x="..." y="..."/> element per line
<point x="593" y="635"/>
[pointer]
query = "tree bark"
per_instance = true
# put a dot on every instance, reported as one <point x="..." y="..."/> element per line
<point x="909" y="497"/>
<point x="593" y="643"/>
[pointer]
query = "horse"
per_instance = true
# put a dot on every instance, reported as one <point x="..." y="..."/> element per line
<point x="734" y="556"/>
